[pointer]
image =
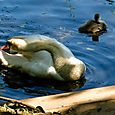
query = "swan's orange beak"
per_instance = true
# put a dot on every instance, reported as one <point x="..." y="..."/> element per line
<point x="8" y="49"/>
<point x="5" y="47"/>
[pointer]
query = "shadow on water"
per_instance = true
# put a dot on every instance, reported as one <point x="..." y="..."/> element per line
<point x="15" y="79"/>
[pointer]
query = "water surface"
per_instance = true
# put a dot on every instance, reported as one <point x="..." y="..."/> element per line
<point x="61" y="19"/>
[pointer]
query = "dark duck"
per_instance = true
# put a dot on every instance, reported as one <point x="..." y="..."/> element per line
<point x="94" y="27"/>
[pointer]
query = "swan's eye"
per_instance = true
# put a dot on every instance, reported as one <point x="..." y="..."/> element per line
<point x="10" y="48"/>
<point x="10" y="45"/>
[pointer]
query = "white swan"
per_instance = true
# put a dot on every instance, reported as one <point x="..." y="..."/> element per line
<point x="43" y="57"/>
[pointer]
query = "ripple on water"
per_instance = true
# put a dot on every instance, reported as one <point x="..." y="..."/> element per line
<point x="60" y="19"/>
<point x="99" y="59"/>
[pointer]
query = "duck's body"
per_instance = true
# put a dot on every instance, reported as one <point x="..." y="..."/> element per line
<point x="43" y="57"/>
<point x="93" y="27"/>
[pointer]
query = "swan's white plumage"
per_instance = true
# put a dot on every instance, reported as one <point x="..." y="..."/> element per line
<point x="43" y="57"/>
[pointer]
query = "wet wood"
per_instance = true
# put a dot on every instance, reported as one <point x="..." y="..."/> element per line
<point x="92" y="101"/>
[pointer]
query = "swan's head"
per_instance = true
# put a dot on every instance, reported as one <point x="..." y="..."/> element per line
<point x="16" y="44"/>
<point x="26" y="43"/>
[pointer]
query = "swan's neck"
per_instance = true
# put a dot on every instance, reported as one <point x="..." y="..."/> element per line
<point x="60" y="53"/>
<point x="54" y="47"/>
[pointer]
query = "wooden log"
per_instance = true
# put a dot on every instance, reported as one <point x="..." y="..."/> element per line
<point x="91" y="101"/>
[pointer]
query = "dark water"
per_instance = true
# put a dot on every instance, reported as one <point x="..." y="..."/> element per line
<point x="61" y="19"/>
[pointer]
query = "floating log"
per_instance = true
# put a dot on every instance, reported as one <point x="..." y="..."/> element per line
<point x="87" y="102"/>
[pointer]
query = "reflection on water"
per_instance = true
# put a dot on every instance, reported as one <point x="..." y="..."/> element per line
<point x="17" y="79"/>
<point x="96" y="36"/>
<point x="60" y="19"/>
<point x="110" y="1"/>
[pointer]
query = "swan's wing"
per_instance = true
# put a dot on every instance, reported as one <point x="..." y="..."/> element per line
<point x="12" y="60"/>
<point x="52" y="72"/>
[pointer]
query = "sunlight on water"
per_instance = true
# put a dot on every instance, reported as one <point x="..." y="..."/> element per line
<point x="60" y="19"/>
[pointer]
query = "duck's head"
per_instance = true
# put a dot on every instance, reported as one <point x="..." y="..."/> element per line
<point x="97" y="17"/>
